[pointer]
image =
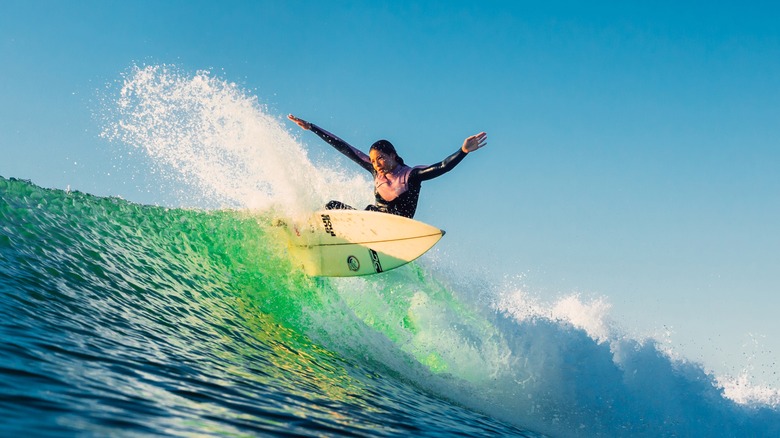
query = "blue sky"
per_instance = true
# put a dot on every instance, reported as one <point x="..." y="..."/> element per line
<point x="633" y="146"/>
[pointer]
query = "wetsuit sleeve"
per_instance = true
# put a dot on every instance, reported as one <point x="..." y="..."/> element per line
<point x="420" y="174"/>
<point x="340" y="145"/>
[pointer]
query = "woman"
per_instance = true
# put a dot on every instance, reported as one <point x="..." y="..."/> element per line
<point x="396" y="185"/>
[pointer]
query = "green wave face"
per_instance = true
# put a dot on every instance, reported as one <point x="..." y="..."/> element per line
<point x="119" y="317"/>
<point x="136" y="294"/>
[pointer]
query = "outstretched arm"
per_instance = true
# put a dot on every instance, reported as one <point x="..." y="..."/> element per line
<point x="470" y="144"/>
<point x="340" y="145"/>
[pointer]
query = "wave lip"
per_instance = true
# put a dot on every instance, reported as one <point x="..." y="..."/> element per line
<point x="616" y="385"/>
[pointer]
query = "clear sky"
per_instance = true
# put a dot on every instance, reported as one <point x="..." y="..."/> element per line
<point x="633" y="152"/>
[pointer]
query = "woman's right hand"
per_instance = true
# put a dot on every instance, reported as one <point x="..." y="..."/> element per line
<point x="300" y="122"/>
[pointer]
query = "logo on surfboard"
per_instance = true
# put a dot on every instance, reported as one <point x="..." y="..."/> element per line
<point x="375" y="259"/>
<point x="328" y="224"/>
<point x="353" y="263"/>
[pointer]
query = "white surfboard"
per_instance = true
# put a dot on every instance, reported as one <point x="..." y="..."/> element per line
<point x="346" y="243"/>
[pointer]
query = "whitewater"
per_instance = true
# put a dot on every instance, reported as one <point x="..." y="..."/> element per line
<point x="118" y="318"/>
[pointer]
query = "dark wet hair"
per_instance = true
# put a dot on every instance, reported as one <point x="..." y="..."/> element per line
<point x="386" y="147"/>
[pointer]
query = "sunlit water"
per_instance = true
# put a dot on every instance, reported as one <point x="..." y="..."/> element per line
<point x="122" y="318"/>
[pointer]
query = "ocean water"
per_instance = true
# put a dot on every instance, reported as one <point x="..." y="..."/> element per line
<point x="121" y="318"/>
<point x="124" y="319"/>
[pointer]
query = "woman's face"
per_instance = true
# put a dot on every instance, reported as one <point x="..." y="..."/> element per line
<point x="382" y="162"/>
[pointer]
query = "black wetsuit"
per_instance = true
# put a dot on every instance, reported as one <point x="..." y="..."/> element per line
<point x="401" y="187"/>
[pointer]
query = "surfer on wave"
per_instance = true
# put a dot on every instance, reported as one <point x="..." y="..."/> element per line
<point x="396" y="185"/>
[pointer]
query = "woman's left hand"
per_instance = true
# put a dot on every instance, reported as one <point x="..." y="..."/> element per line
<point x="474" y="142"/>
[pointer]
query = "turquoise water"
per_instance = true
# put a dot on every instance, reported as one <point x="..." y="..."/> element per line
<point x="122" y="318"/>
